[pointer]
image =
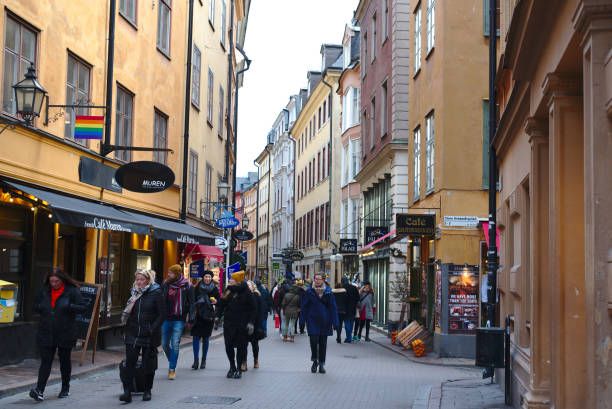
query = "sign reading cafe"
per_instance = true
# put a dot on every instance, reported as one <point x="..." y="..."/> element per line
<point x="106" y="224"/>
<point x="415" y="224"/>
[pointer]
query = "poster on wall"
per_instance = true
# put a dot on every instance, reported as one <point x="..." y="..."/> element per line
<point x="438" y="296"/>
<point x="463" y="301"/>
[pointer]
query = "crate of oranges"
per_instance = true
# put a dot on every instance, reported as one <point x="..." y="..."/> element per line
<point x="418" y="347"/>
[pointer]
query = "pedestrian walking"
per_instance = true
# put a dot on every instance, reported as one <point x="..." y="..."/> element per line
<point x="320" y="313"/>
<point x="340" y="297"/>
<point x="352" y="301"/>
<point x="143" y="316"/>
<point x="239" y="310"/>
<point x="266" y="301"/>
<point x="258" y="333"/>
<point x="291" y="308"/>
<point x="206" y="296"/>
<point x="58" y="302"/>
<point x="357" y="314"/>
<point x="178" y="297"/>
<point x="367" y="308"/>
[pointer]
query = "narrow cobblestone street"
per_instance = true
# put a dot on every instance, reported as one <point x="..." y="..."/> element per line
<point x="362" y="375"/>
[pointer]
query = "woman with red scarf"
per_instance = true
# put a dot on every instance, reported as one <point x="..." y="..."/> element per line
<point x="178" y="297"/>
<point x="58" y="302"/>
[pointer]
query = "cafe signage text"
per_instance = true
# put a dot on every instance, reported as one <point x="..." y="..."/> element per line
<point x="415" y="224"/>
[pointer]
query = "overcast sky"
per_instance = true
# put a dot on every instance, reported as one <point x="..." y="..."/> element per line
<point x="284" y="40"/>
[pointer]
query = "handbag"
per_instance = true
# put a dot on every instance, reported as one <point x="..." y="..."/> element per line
<point x="276" y="321"/>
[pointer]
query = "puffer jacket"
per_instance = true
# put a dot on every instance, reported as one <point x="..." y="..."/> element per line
<point x="291" y="303"/>
<point x="237" y="306"/>
<point x="143" y="326"/>
<point x="320" y="314"/>
<point x="341" y="297"/>
<point x="57" y="324"/>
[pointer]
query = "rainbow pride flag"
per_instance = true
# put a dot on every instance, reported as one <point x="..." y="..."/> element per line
<point x="88" y="127"/>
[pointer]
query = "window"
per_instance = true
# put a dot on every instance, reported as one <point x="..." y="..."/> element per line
<point x="355" y="105"/>
<point x="354" y="148"/>
<point x="77" y="92"/>
<point x="209" y="109"/>
<point x="223" y="22"/>
<point x="345" y="165"/>
<point x="385" y="20"/>
<point x="431" y="24"/>
<point x="192" y="190"/>
<point x="346" y="54"/>
<point x="123" y="122"/>
<point x="211" y="13"/>
<point x="319" y="120"/>
<point x="324" y="111"/>
<point x="373" y="35"/>
<point x="365" y="53"/>
<point x="127" y="8"/>
<point x="417" y="164"/>
<point x="163" y="26"/>
<point x="383" y="110"/>
<point x="19" y="53"/>
<point x="196" y="73"/>
<point x="221" y="112"/>
<point x="160" y="137"/>
<point x="364" y="129"/>
<point x="372" y="121"/>
<point x="319" y="167"/>
<point x="429" y="171"/>
<point x="323" y="164"/>
<point x="485" y="17"/>
<point x="417" y="40"/>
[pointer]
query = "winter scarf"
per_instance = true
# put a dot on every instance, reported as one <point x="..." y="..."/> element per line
<point x="136" y="292"/>
<point x="175" y="295"/>
<point x="319" y="290"/>
<point x="56" y="293"/>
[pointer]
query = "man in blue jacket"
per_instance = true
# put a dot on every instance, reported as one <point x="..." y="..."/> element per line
<point x="321" y="315"/>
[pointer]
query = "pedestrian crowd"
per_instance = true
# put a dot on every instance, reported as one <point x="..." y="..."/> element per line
<point x="158" y="314"/>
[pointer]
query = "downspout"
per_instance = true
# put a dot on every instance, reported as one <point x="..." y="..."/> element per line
<point x="187" y="111"/>
<point x="329" y="152"/>
<point x="230" y="70"/>
<point x="257" y="225"/>
<point x="268" y="217"/>
<point x="109" y="79"/>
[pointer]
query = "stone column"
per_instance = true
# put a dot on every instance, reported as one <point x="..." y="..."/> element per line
<point x="538" y="393"/>
<point x="593" y="22"/>
<point x="566" y="241"/>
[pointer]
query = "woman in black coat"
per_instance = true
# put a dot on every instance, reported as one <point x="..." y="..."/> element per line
<point x="258" y="332"/>
<point x="143" y="316"/>
<point x="58" y="302"/>
<point x="206" y="295"/>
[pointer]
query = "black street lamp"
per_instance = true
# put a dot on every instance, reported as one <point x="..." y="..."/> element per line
<point x="222" y="191"/>
<point x="245" y="222"/>
<point x="29" y="97"/>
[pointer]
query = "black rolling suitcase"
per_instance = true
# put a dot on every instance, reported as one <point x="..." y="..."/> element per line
<point x="139" y="376"/>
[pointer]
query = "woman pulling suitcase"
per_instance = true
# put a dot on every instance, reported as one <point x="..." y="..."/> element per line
<point x="143" y="317"/>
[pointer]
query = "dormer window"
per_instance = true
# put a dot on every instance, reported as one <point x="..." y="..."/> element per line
<point x="346" y="53"/>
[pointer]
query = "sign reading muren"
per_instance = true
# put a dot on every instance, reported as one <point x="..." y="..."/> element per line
<point x="415" y="224"/>
<point x="145" y="177"/>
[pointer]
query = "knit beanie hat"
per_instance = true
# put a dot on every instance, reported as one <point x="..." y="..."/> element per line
<point x="208" y="272"/>
<point x="176" y="269"/>
<point x="238" y="276"/>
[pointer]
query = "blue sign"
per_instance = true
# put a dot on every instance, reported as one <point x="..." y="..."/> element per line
<point x="227" y="222"/>
<point x="234" y="268"/>
<point x="196" y="269"/>
<point x="244" y="256"/>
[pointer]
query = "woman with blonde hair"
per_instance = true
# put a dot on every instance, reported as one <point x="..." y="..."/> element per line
<point x="143" y="316"/>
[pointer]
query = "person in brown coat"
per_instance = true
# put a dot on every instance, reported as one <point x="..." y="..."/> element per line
<point x="291" y="308"/>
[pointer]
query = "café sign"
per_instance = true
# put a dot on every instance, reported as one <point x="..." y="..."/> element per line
<point x="415" y="224"/>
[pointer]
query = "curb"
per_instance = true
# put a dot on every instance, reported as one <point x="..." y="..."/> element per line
<point x="23" y="387"/>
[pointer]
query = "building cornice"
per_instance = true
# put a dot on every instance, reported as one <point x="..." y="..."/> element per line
<point x="516" y="108"/>
<point x="382" y="158"/>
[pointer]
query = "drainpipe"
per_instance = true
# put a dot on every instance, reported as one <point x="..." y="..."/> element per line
<point x="268" y="216"/>
<point x="329" y="153"/>
<point x="109" y="79"/>
<point x="230" y="70"/>
<point x="187" y="110"/>
<point x="257" y="225"/>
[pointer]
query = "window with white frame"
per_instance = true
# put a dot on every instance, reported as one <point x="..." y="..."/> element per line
<point x="385" y="20"/>
<point x="372" y="121"/>
<point x="356" y="106"/>
<point x="223" y="22"/>
<point x="77" y="93"/>
<point x="429" y="171"/>
<point x="346" y="53"/>
<point x="124" y="115"/>
<point x="417" y="40"/>
<point x="127" y="8"/>
<point x="345" y="165"/>
<point x="209" y="108"/>
<point x="211" y="12"/>
<point x="19" y="53"/>
<point x="354" y="220"/>
<point x="193" y="182"/>
<point x="431" y="24"/>
<point x="196" y="73"/>
<point x="163" y="26"/>
<point x="160" y="137"/>
<point x="221" y="112"/>
<point x="373" y="38"/>
<point x="417" y="164"/>
<point x="355" y="148"/>
<point x="383" y="110"/>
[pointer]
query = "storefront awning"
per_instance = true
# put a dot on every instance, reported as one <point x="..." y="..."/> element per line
<point x="197" y="252"/>
<point x="83" y="213"/>
<point x="173" y="230"/>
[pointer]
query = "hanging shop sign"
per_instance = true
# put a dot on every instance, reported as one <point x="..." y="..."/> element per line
<point x="98" y="174"/>
<point x="297" y="256"/>
<point x="461" y="221"/>
<point x="196" y="269"/>
<point x="415" y="224"/>
<point x="463" y="305"/>
<point x="275" y="265"/>
<point x="227" y="219"/>
<point x="374" y="233"/>
<point x="242" y="235"/>
<point x="145" y="177"/>
<point x="221" y="242"/>
<point x="348" y="246"/>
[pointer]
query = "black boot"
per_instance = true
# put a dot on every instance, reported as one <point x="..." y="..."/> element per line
<point x="146" y="396"/>
<point x="321" y="368"/>
<point x="238" y="374"/>
<point x="196" y="363"/>
<point x="203" y="364"/>
<point x="65" y="392"/>
<point x="314" y="366"/>
<point x="126" y="396"/>
<point x="37" y="394"/>
<point x="230" y="373"/>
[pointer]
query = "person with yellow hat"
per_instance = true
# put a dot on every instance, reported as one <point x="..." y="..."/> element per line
<point x="178" y="298"/>
<point x="239" y="309"/>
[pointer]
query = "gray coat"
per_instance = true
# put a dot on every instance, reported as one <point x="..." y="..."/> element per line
<point x="291" y="303"/>
<point x="367" y="300"/>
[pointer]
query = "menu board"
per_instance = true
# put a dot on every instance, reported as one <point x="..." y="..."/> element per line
<point x="90" y="294"/>
<point x="463" y="301"/>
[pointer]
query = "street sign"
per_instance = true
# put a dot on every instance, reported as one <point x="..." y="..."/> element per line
<point x="242" y="235"/>
<point x="297" y="256"/>
<point x="275" y="265"/>
<point x="227" y="222"/>
<point x="323" y="244"/>
<point x="145" y="177"/>
<point x="348" y="246"/>
<point x="221" y="242"/>
<point x="415" y="224"/>
<point x="461" y="221"/>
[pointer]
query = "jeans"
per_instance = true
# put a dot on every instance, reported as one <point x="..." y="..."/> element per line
<point x="318" y="348"/>
<point x="349" y="321"/>
<point x="288" y="326"/>
<point x="46" y="361"/>
<point x="265" y="324"/>
<point x="341" y="318"/>
<point x="171" y="338"/>
<point x="196" y="347"/>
